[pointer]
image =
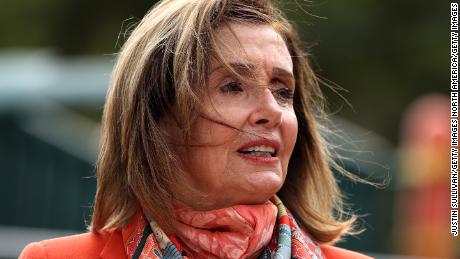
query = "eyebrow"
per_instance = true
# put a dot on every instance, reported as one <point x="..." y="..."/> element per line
<point x="239" y="67"/>
<point x="281" y="72"/>
<point x="246" y="68"/>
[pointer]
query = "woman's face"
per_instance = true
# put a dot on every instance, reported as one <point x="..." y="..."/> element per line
<point x="242" y="142"/>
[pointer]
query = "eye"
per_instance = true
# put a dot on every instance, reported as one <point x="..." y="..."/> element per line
<point x="232" y="87"/>
<point x="283" y="92"/>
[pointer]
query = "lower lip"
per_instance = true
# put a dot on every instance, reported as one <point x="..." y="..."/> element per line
<point x="258" y="159"/>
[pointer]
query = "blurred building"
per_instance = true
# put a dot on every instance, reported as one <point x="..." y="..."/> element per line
<point x="49" y="109"/>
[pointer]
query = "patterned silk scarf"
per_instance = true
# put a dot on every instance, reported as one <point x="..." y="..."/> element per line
<point x="145" y="239"/>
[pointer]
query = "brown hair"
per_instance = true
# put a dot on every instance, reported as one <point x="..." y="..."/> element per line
<point x="159" y="68"/>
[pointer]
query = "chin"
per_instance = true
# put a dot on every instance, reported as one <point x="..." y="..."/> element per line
<point x="263" y="191"/>
<point x="245" y="197"/>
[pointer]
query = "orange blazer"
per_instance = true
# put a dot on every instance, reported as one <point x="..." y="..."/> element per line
<point x="109" y="244"/>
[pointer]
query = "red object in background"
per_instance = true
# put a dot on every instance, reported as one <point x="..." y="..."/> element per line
<point x="422" y="222"/>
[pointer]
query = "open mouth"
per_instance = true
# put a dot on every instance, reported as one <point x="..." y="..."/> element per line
<point x="259" y="151"/>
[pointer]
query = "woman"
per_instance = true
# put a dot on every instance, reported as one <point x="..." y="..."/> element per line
<point x="211" y="143"/>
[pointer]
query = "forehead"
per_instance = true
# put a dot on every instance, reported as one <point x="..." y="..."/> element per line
<point x="258" y="45"/>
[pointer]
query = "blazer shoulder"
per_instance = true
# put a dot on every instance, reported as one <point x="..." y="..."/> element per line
<point x="87" y="245"/>
<point x="33" y="250"/>
<point x="340" y="253"/>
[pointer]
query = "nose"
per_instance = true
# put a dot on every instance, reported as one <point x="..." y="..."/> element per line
<point x="267" y="111"/>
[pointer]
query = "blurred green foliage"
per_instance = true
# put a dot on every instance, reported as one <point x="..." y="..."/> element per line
<point x="385" y="53"/>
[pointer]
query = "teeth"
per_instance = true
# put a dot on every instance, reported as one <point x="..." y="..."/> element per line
<point x="271" y="150"/>
<point x="261" y="154"/>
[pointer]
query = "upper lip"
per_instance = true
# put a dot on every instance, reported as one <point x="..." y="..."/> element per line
<point x="262" y="142"/>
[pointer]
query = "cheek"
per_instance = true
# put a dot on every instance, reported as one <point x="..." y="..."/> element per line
<point x="220" y="122"/>
<point x="207" y="159"/>
<point x="212" y="131"/>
